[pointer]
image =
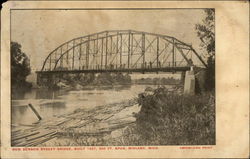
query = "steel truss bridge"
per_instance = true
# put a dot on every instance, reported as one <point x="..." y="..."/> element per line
<point x="122" y="51"/>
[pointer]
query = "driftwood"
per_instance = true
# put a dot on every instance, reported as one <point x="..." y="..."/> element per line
<point x="32" y="137"/>
<point x="34" y="110"/>
<point x="98" y="121"/>
<point x="24" y="136"/>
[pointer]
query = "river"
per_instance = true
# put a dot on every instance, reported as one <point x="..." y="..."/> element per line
<point x="56" y="102"/>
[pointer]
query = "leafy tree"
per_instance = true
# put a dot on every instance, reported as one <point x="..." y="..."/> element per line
<point x="20" y="66"/>
<point x="206" y="33"/>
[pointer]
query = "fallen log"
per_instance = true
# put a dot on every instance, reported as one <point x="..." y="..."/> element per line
<point x="34" y="110"/>
<point x="24" y="136"/>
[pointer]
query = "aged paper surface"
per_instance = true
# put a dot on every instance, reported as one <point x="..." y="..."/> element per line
<point x="80" y="107"/>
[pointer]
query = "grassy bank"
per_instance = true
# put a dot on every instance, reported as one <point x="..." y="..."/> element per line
<point x="169" y="118"/>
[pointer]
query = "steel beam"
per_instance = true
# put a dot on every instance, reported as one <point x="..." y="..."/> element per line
<point x="80" y="54"/>
<point x="111" y="45"/>
<point x="102" y="54"/>
<point x="87" y="53"/>
<point x="97" y="50"/>
<point x="150" y="44"/>
<point x="121" y="50"/>
<point x="117" y="46"/>
<point x="94" y="52"/>
<point x="184" y="56"/>
<point x="143" y="50"/>
<point x="106" y="58"/>
<point x="128" y="49"/>
<point x="132" y="47"/>
<point x="163" y="69"/>
<point x="92" y="37"/>
<point x="73" y="58"/>
<point x="173" y="52"/>
<point x="50" y="63"/>
<point x="61" y="63"/>
<point x="157" y="52"/>
<point x="199" y="57"/>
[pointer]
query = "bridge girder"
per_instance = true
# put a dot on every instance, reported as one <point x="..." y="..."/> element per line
<point x="121" y="49"/>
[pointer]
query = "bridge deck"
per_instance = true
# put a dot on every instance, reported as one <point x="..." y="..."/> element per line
<point x="142" y="70"/>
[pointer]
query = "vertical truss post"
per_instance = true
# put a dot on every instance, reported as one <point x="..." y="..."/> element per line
<point x="87" y="53"/>
<point x="94" y="59"/>
<point x="111" y="45"/>
<point x="106" y="57"/>
<point x="111" y="50"/>
<point x="143" y="50"/>
<point x="128" y="48"/>
<point x="80" y="54"/>
<point x="157" y="52"/>
<point x="121" y="50"/>
<point x="132" y="49"/>
<point x="97" y="49"/>
<point x="173" y="55"/>
<point x="117" y="47"/>
<point x="102" y="54"/>
<point x="73" y="58"/>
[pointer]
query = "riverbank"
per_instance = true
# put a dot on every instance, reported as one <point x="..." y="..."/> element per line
<point x="162" y="116"/>
<point x="78" y="81"/>
<point x="172" y="118"/>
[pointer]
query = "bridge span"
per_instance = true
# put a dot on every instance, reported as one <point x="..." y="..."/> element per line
<point x="120" y="51"/>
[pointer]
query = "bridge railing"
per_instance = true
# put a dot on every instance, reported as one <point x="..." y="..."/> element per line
<point x="145" y="65"/>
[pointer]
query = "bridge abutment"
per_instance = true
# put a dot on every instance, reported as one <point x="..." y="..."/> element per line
<point x="189" y="82"/>
<point x="193" y="81"/>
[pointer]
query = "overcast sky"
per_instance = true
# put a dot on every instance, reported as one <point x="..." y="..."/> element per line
<point x="41" y="31"/>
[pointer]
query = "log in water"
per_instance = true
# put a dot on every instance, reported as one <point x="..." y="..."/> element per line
<point x="34" y="110"/>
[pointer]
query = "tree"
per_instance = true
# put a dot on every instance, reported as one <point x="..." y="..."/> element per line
<point x="20" y="66"/>
<point x="206" y="33"/>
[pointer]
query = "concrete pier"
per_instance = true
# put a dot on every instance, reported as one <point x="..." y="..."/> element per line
<point x="189" y="83"/>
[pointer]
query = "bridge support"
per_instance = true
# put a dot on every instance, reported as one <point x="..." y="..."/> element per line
<point x="189" y="82"/>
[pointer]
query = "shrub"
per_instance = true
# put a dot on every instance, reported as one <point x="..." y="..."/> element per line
<point x="168" y="118"/>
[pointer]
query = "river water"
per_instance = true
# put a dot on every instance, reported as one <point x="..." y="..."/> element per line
<point x="57" y="102"/>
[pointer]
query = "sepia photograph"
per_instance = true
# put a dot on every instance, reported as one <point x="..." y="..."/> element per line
<point x="124" y="79"/>
<point x="112" y="77"/>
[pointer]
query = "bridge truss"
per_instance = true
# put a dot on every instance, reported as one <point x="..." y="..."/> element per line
<point x="121" y="50"/>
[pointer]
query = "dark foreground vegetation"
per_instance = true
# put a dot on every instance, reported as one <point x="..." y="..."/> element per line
<point x="168" y="118"/>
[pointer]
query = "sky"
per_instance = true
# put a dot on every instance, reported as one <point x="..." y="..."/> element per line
<point x="41" y="31"/>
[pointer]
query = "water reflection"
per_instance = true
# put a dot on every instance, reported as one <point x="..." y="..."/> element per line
<point x="49" y="94"/>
